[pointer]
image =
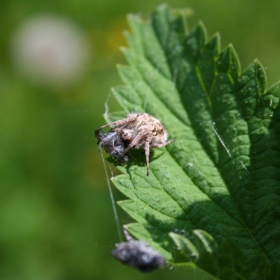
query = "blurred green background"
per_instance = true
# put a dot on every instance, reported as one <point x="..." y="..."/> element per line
<point x="57" y="65"/>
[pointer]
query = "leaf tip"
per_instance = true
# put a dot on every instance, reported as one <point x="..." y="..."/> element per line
<point x="228" y="62"/>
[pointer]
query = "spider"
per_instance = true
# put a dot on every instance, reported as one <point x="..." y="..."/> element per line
<point x="140" y="131"/>
<point x="112" y="143"/>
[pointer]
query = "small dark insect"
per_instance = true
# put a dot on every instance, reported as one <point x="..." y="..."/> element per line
<point x="140" y="131"/>
<point x="112" y="143"/>
<point x="138" y="254"/>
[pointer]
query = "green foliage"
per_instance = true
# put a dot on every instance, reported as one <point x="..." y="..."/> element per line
<point x="222" y="172"/>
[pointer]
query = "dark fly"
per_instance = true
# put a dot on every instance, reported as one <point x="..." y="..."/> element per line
<point x="138" y="254"/>
<point x="113" y="144"/>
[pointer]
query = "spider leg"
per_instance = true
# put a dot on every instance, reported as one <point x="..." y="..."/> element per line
<point x="160" y="145"/>
<point x="147" y="154"/>
<point x="136" y="142"/>
<point x="120" y="122"/>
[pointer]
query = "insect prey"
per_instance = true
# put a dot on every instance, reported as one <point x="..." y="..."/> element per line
<point x="112" y="143"/>
<point x="138" y="254"/>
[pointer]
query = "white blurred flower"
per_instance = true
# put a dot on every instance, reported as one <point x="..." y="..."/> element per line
<point x="50" y="50"/>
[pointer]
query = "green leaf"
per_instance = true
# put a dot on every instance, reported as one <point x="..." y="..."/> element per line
<point x="221" y="174"/>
